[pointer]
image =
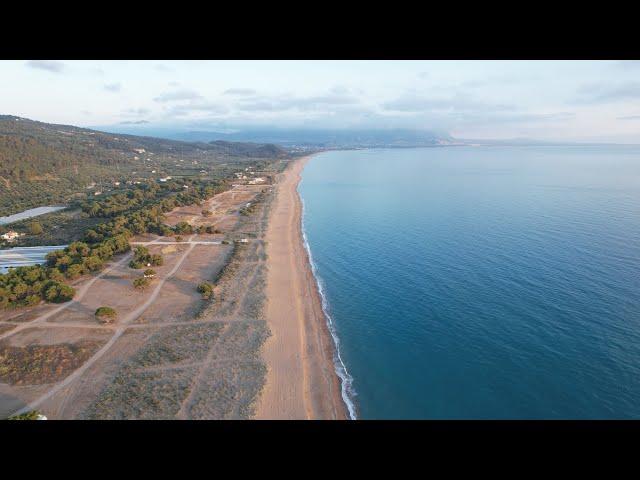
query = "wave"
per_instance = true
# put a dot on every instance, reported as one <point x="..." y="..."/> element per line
<point x="346" y="380"/>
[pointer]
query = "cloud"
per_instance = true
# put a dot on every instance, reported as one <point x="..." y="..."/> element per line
<point x="163" y="68"/>
<point x="198" y="106"/>
<point x="628" y="64"/>
<point x="629" y="117"/>
<point x="134" y="122"/>
<point x="135" y="112"/>
<point x="336" y="97"/>
<point x="113" y="87"/>
<point x="49" y="65"/>
<point x="457" y="103"/>
<point x="525" y="117"/>
<point x="177" y="96"/>
<point x="239" y="91"/>
<point x="606" y="93"/>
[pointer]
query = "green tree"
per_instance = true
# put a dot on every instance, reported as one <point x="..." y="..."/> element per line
<point x="141" y="283"/>
<point x="74" y="271"/>
<point x="35" y="228"/>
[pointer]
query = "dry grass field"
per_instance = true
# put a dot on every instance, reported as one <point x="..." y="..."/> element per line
<point x="169" y="353"/>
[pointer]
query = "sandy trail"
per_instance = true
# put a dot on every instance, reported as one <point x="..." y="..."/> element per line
<point x="117" y="334"/>
<point x="301" y="381"/>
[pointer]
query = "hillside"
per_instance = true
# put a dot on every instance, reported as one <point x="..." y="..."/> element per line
<point x="43" y="163"/>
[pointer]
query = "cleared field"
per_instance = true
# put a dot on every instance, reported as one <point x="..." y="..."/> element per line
<point x="180" y="300"/>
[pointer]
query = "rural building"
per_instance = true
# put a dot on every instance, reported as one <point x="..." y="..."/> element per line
<point x="11" y="235"/>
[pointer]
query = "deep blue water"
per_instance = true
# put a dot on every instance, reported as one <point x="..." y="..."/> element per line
<point x="487" y="282"/>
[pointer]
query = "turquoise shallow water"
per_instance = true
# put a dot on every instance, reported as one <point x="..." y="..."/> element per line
<point x="488" y="282"/>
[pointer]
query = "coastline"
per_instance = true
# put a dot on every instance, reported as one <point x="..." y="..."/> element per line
<point x="301" y="381"/>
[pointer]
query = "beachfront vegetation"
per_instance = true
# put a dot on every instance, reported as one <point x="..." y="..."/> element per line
<point x="206" y="290"/>
<point x="141" y="283"/>
<point x="30" y="415"/>
<point x="103" y="313"/>
<point x="183" y="228"/>
<point x="27" y="286"/>
<point x="142" y="258"/>
<point x="246" y="211"/>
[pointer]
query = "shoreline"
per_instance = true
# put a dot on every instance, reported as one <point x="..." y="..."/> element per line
<point x="301" y="381"/>
<point x="346" y="380"/>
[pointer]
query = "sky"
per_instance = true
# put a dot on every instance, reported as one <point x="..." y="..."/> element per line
<point x="547" y="100"/>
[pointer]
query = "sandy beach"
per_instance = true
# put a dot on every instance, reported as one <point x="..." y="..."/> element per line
<point x="301" y="381"/>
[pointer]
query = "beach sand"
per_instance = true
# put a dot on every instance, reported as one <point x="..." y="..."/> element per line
<point x="301" y="380"/>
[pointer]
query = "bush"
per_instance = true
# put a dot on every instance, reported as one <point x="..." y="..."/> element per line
<point x="206" y="213"/>
<point x="141" y="283"/>
<point x="149" y="272"/>
<point x="57" y="292"/>
<point x="184" y="227"/>
<point x="142" y="258"/>
<point x="31" y="415"/>
<point x="74" y="271"/>
<point x="106" y="314"/>
<point x="206" y="289"/>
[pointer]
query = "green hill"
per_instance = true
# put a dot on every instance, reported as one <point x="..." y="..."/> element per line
<point x="42" y="163"/>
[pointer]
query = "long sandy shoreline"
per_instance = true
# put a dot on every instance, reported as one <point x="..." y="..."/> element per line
<point x="301" y="381"/>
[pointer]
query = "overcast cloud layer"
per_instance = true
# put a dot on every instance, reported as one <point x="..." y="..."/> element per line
<point x="555" y="100"/>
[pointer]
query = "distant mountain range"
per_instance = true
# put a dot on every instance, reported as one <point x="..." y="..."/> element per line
<point x="299" y="137"/>
<point x="323" y="139"/>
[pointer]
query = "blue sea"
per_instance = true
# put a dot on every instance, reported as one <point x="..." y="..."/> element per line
<point x="481" y="282"/>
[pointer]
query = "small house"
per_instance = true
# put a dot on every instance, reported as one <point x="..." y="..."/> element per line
<point x="11" y="235"/>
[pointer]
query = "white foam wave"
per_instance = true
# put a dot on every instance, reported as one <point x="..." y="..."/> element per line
<point x="346" y="380"/>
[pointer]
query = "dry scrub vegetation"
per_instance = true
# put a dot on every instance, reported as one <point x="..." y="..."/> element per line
<point x="38" y="364"/>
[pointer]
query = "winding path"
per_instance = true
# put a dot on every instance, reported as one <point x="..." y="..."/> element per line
<point x="117" y="334"/>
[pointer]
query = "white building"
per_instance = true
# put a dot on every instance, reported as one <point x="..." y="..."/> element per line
<point x="11" y="235"/>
